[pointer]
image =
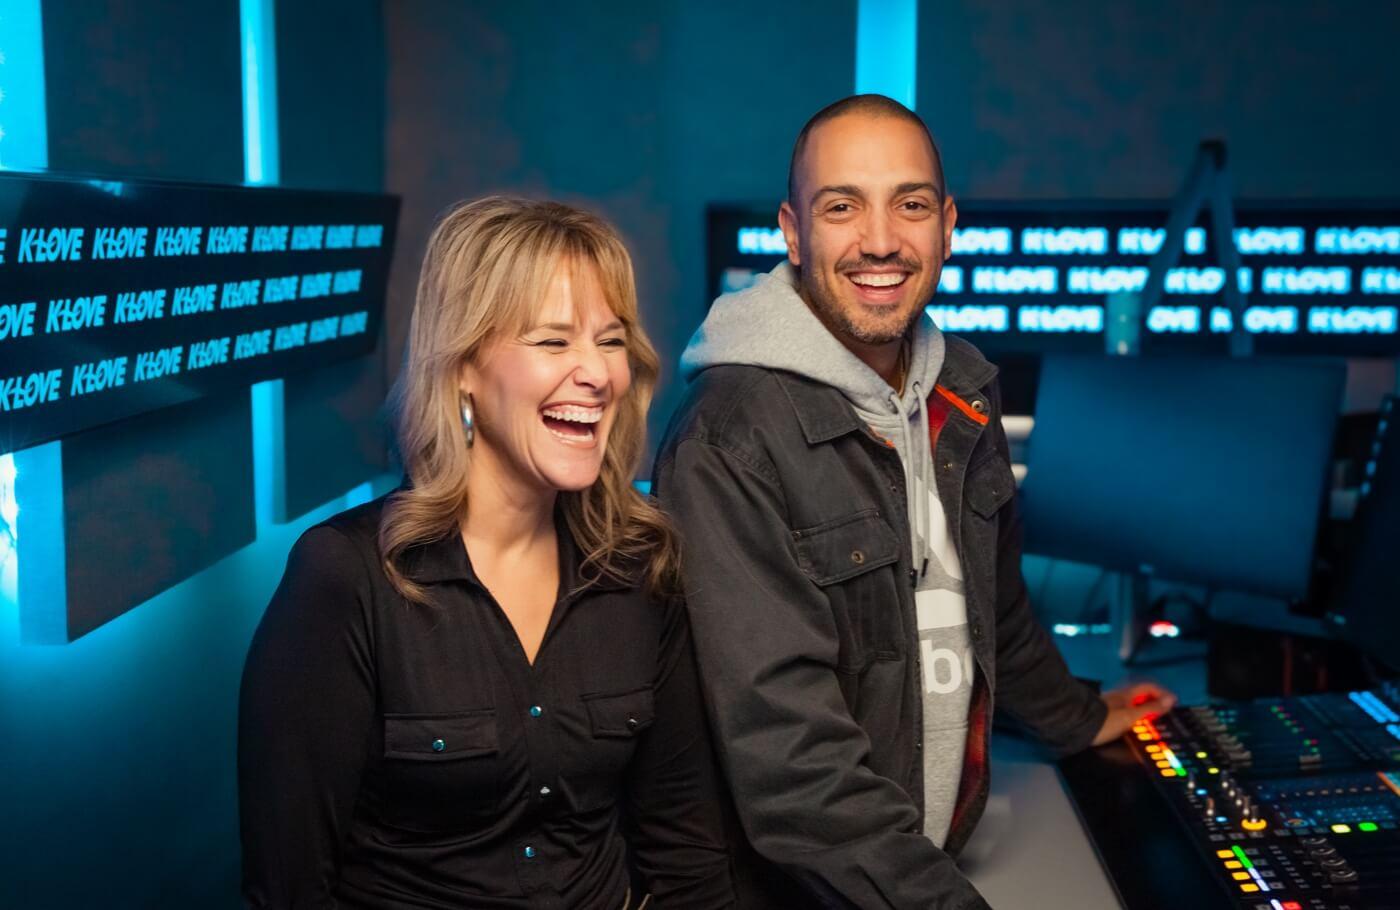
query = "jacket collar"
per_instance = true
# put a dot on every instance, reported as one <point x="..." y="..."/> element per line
<point x="824" y="414"/>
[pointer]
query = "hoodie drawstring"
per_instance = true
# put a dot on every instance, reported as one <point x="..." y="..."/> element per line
<point x="916" y="467"/>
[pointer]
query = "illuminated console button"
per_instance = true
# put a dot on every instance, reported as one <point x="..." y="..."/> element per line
<point x="1341" y="829"/>
<point x="1225" y="854"/>
<point x="1256" y="825"/>
<point x="1240" y="876"/>
<point x="1249" y="889"/>
<point x="1233" y="864"/>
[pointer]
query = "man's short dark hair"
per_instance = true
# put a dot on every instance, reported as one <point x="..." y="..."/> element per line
<point x="874" y="105"/>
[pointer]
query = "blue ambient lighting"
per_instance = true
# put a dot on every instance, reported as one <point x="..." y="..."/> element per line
<point x="886" y="46"/>
<point x="23" y="146"/>
<point x="261" y="165"/>
<point x="260" y="151"/>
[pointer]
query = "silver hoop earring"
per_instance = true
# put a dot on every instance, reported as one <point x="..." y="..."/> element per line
<point x="468" y="419"/>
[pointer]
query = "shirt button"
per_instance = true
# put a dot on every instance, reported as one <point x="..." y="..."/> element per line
<point x="545" y="791"/>
<point x="529" y="852"/>
<point x="536" y="710"/>
<point x="439" y="745"/>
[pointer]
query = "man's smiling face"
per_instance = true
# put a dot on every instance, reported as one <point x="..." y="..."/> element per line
<point x="869" y="227"/>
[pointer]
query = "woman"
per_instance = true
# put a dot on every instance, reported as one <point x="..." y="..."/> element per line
<point x="462" y="694"/>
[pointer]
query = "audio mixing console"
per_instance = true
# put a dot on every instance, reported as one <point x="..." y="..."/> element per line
<point x="1289" y="803"/>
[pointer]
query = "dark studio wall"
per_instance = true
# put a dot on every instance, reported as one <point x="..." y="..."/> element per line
<point x="1108" y="100"/>
<point x="117" y="751"/>
<point x="644" y="115"/>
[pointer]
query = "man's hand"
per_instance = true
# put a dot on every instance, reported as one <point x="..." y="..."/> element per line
<point x="1128" y="705"/>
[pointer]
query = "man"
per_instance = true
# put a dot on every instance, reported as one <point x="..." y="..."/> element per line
<point x="842" y="483"/>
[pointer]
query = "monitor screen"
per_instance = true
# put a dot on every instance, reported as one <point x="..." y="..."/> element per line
<point x="1210" y="471"/>
<point x="1035" y="276"/>
<point x="1370" y="603"/>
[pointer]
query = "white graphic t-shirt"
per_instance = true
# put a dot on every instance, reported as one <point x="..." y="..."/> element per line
<point x="945" y="655"/>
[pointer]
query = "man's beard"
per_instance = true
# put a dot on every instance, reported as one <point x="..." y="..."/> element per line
<point x="827" y="306"/>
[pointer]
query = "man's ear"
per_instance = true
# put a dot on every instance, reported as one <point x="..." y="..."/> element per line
<point x="950" y="218"/>
<point x="787" y="220"/>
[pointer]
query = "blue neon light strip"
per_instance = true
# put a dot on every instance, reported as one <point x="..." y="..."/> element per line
<point x="886" y="45"/>
<point x="24" y="145"/>
<point x="260" y="150"/>
<point x="261" y="165"/>
<point x="24" y="136"/>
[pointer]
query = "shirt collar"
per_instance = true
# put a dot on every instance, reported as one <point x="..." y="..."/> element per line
<point x="446" y="560"/>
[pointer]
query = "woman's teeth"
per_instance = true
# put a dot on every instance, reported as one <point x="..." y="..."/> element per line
<point x="571" y="422"/>
<point x="575" y="414"/>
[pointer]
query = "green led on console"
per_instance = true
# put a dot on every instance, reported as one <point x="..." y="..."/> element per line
<point x="1368" y="826"/>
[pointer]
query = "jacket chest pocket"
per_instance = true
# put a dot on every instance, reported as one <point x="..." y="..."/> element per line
<point x="854" y="560"/>
<point x="990" y="485"/>
<point x="616" y="721"/>
<point x="439" y="768"/>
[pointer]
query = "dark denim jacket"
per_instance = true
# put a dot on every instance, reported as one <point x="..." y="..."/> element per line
<point x="798" y="577"/>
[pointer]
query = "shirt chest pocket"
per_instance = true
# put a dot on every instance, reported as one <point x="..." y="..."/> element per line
<point x="854" y="560"/>
<point x="439" y="768"/>
<point x="615" y="723"/>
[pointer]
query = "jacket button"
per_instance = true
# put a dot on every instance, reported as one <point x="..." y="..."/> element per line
<point x="858" y="557"/>
<point x="947" y="466"/>
<point x="529" y="852"/>
<point x="979" y="405"/>
<point x="632" y="723"/>
<point x="545" y="791"/>
<point x="439" y="745"/>
<point x="536" y="710"/>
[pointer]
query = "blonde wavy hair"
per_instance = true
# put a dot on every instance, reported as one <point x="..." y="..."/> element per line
<point x="486" y="271"/>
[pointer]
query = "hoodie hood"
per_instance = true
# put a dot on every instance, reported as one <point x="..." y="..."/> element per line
<point x="768" y="325"/>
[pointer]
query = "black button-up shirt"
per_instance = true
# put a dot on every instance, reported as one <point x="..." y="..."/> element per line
<point x="394" y="754"/>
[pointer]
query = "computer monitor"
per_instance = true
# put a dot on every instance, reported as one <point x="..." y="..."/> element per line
<point x="1370" y="601"/>
<point x="1206" y="471"/>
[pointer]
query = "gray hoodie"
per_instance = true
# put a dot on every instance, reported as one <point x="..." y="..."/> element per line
<point x="769" y="325"/>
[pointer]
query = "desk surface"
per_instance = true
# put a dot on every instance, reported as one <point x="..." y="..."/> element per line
<point x="1030" y="851"/>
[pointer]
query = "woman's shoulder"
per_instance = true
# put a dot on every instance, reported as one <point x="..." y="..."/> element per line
<point x="346" y="544"/>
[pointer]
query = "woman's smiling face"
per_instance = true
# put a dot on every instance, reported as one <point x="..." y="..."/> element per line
<point x="546" y="400"/>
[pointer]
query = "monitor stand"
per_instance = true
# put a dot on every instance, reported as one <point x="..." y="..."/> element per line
<point x="1130" y="614"/>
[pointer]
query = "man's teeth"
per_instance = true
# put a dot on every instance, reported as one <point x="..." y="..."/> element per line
<point x="575" y="414"/>
<point x="879" y="279"/>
